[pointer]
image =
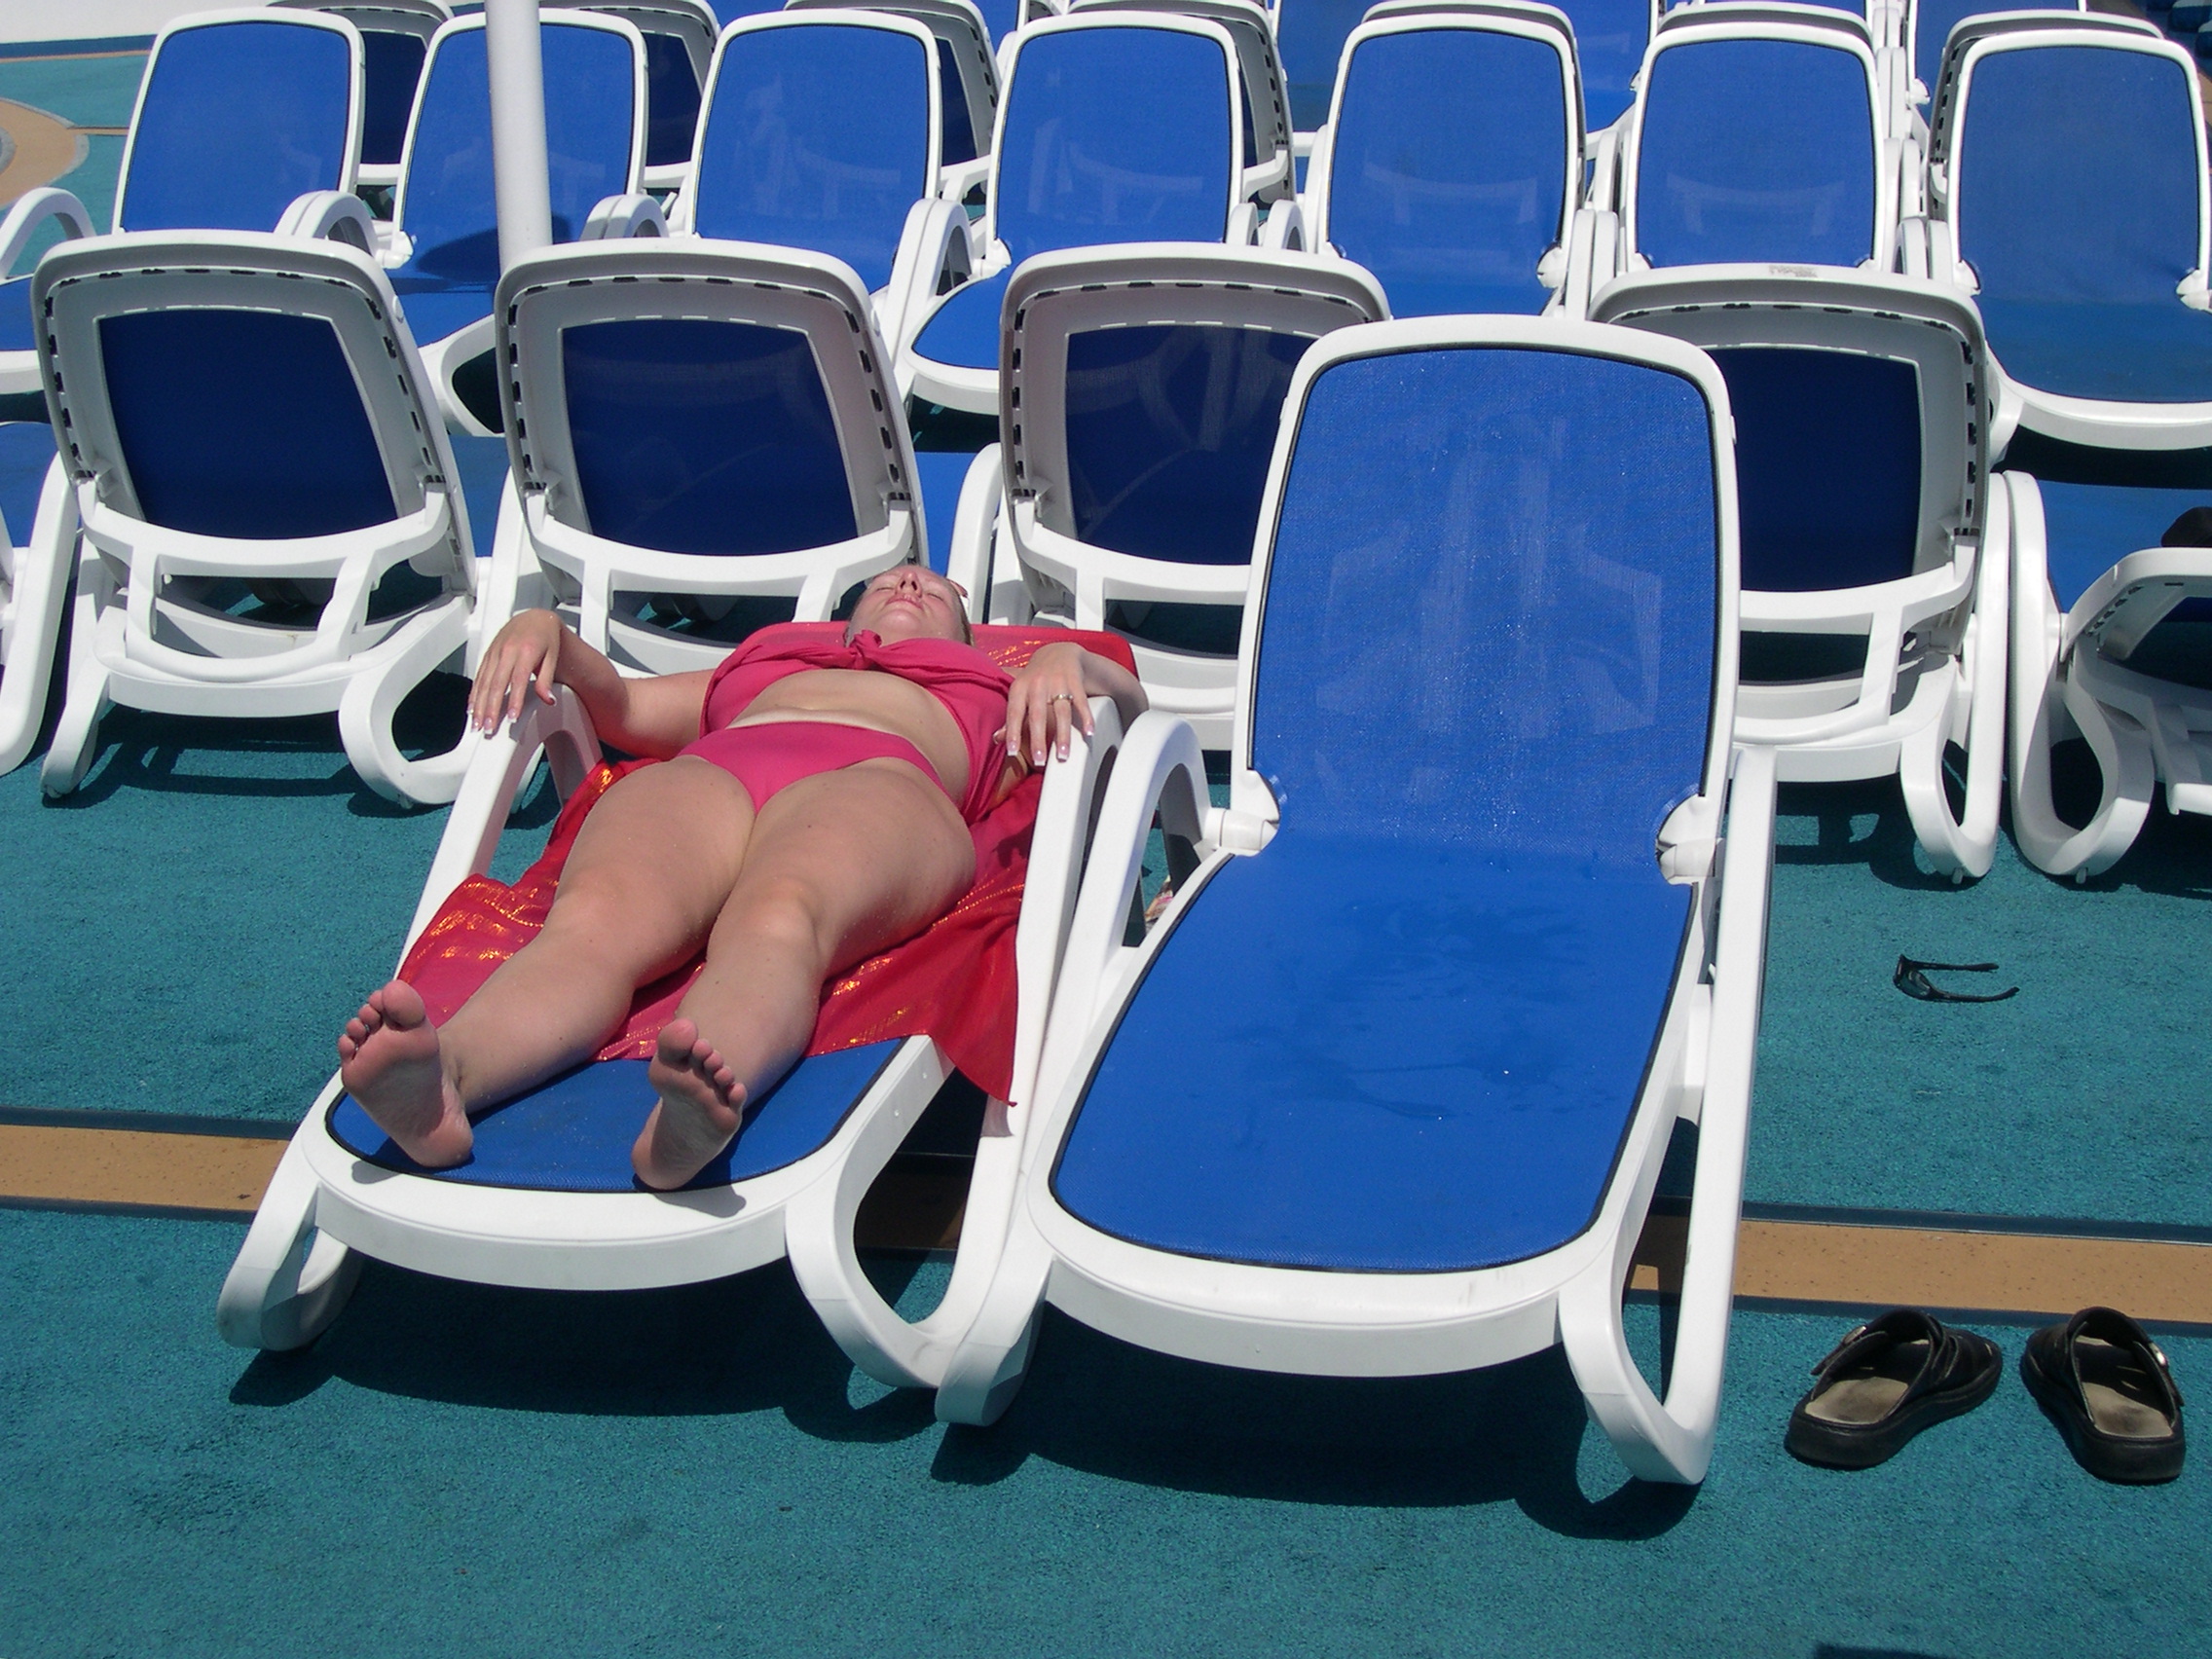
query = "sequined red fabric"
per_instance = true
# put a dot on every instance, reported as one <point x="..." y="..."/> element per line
<point x="954" y="981"/>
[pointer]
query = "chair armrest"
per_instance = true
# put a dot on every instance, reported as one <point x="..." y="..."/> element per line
<point x="1605" y="155"/>
<point x="616" y="217"/>
<point x="561" y="732"/>
<point x="956" y="179"/>
<point x="331" y="216"/>
<point x="1593" y="255"/>
<point x="1284" y="228"/>
<point x="1912" y="248"/>
<point x="32" y="212"/>
<point x="933" y="259"/>
<point x="1243" y="229"/>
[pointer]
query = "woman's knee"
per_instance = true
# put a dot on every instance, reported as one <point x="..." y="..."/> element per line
<point x="785" y="914"/>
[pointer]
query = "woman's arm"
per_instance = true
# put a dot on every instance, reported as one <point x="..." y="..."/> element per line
<point x="536" y="651"/>
<point x="1050" y="698"/>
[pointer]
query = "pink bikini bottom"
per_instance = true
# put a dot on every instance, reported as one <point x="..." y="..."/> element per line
<point x="776" y="755"/>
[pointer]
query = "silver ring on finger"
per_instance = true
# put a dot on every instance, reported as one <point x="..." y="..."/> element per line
<point x="1060" y="697"/>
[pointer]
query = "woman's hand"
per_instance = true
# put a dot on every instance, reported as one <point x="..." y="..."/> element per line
<point x="1048" y="701"/>
<point x="526" y="653"/>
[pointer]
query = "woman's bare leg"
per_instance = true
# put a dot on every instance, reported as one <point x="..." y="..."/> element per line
<point x="650" y="872"/>
<point x="841" y="866"/>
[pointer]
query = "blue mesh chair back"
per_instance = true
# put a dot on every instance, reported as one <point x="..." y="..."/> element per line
<point x="1408" y="1035"/>
<point x="1448" y="169"/>
<point x="1827" y="466"/>
<point x="1169" y="431"/>
<point x="243" y="424"/>
<point x="446" y="206"/>
<point x="818" y="137"/>
<point x="1312" y="35"/>
<point x="693" y="435"/>
<point x="671" y="101"/>
<point x="2075" y="200"/>
<point x="1756" y="150"/>
<point x="392" y="67"/>
<point x="236" y="120"/>
<point x="960" y="141"/>
<point x="1609" y="41"/>
<point x="1115" y="135"/>
<point x="1933" y="21"/>
<point x="1001" y="16"/>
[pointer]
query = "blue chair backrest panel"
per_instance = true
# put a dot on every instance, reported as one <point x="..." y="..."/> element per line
<point x="1491" y="626"/>
<point x="1311" y="34"/>
<point x="1933" y="24"/>
<point x="243" y="424"/>
<point x="590" y="114"/>
<point x="697" y="436"/>
<point x="2077" y="176"/>
<point x="1450" y="168"/>
<point x="1609" y="41"/>
<point x="391" y="66"/>
<point x="1115" y="135"/>
<point x="1407" y="1035"/>
<point x="1000" y="16"/>
<point x="1827" y="466"/>
<point x="959" y="143"/>
<point x="819" y="139"/>
<point x="1170" y="432"/>
<point x="237" y="120"/>
<point x="672" y="101"/>
<point x="1757" y="149"/>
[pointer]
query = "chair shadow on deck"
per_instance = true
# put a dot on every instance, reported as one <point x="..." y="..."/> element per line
<point x="1514" y="1433"/>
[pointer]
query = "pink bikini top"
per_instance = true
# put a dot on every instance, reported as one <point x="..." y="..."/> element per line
<point x="970" y="684"/>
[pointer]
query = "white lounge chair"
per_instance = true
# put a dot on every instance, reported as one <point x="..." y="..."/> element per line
<point x="1387" y="1090"/>
<point x="694" y="422"/>
<point x="395" y="39"/>
<point x="248" y="412"/>
<point x="2067" y="193"/>
<point x="1869" y="528"/>
<point x="548" y="1199"/>
<point x="1143" y="386"/>
<point x="2109" y="644"/>
<point x="679" y="44"/>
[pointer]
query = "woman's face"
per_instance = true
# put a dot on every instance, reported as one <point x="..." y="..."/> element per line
<point x="911" y="602"/>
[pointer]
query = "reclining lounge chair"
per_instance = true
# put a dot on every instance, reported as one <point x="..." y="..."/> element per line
<point x="1875" y="554"/>
<point x="395" y="39"/>
<point x="1387" y="1089"/>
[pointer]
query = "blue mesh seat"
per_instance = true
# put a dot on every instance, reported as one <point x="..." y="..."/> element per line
<point x="2075" y="169"/>
<point x="257" y="456"/>
<point x="236" y="120"/>
<point x="1312" y="33"/>
<point x="1757" y="143"/>
<point x="704" y="423"/>
<point x="1392" y="1070"/>
<point x="1453" y="161"/>
<point x="595" y="115"/>
<point x="1116" y="127"/>
<point x="1144" y="390"/>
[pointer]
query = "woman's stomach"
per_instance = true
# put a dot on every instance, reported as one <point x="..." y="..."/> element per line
<point x="875" y="702"/>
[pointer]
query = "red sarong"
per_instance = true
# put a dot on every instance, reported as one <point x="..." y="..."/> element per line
<point x="954" y="981"/>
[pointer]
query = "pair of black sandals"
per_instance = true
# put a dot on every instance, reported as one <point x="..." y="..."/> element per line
<point x="2097" y="1376"/>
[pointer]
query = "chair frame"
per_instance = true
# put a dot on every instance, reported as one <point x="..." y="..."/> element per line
<point x="733" y="282"/>
<point x="2070" y="677"/>
<point x="420" y="18"/>
<point x="1545" y="25"/>
<point x="1371" y="1324"/>
<point x="2095" y="423"/>
<point x="976" y="391"/>
<point x="122" y="619"/>
<point x="692" y="21"/>
<point x="325" y="1209"/>
<point x="1936" y="640"/>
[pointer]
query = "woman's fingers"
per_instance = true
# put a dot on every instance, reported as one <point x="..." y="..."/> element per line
<point x="1062" y="715"/>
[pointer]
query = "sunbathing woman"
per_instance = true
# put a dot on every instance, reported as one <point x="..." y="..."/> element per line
<point x="814" y="812"/>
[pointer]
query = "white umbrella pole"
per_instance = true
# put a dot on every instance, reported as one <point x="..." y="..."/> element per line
<point x="518" y="127"/>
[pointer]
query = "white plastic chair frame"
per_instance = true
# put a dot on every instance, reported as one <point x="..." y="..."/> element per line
<point x="1897" y="157"/>
<point x="1084" y="290"/>
<point x="2070" y="678"/>
<point x="1363" y="1324"/>
<point x="1981" y="25"/>
<point x="325" y="1209"/>
<point x="135" y="642"/>
<point x="695" y="24"/>
<point x="2097" y="422"/>
<point x="420" y="18"/>
<point x="1934" y="672"/>
<point x="1545" y="25"/>
<point x="630" y="214"/>
<point x="976" y="391"/>
<point x="935" y="244"/>
<point x="772" y="287"/>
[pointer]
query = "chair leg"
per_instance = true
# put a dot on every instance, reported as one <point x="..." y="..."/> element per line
<point x="289" y="1280"/>
<point x="371" y="702"/>
<point x="39" y="599"/>
<point x="84" y="701"/>
<point x="987" y="1369"/>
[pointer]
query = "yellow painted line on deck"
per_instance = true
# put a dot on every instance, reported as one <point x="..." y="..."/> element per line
<point x="45" y="147"/>
<point x="916" y="1205"/>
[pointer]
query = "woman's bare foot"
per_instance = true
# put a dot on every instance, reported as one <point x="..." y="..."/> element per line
<point x="701" y="1105"/>
<point x="388" y="1058"/>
